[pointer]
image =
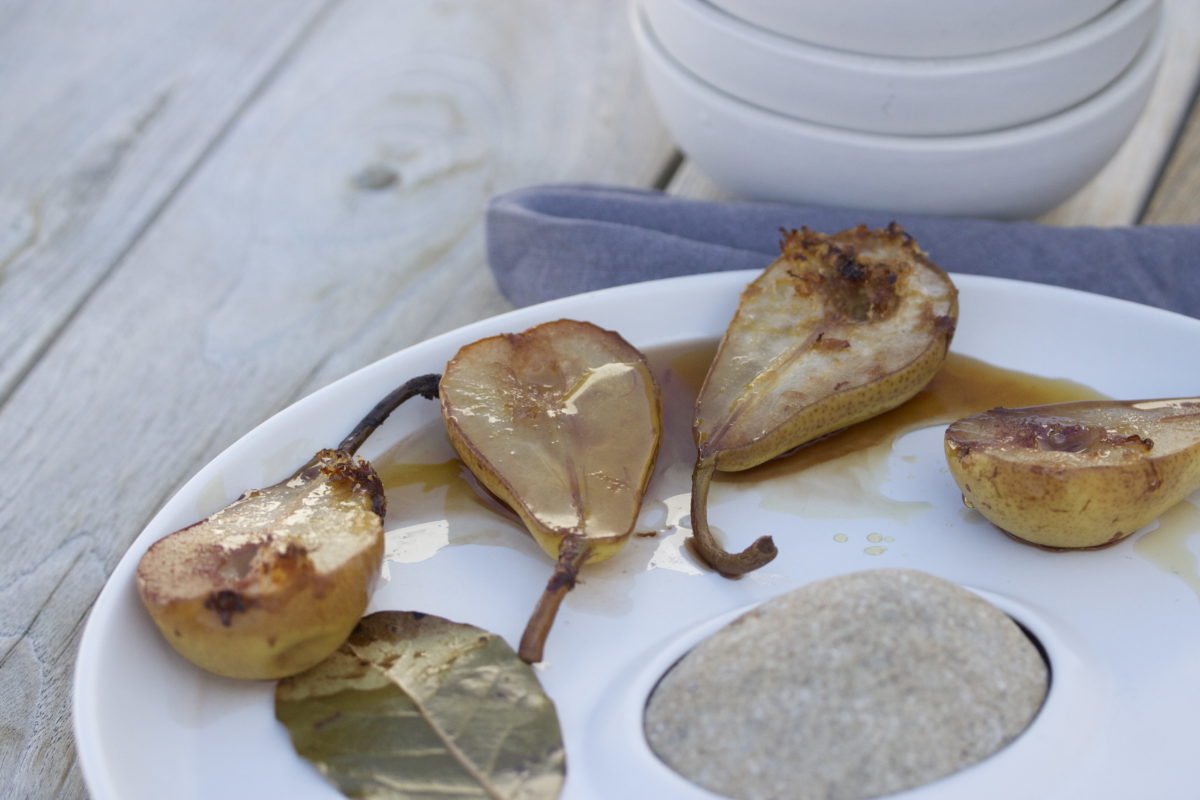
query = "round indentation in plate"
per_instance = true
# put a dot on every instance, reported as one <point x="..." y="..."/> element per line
<point x="854" y="687"/>
<point x="1075" y="718"/>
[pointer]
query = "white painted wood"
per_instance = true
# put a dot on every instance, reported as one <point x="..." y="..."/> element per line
<point x="690" y="181"/>
<point x="1176" y="200"/>
<point x="104" y="109"/>
<point x="1119" y="192"/>
<point x="338" y="218"/>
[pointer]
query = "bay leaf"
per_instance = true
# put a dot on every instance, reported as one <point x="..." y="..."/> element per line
<point x="414" y="706"/>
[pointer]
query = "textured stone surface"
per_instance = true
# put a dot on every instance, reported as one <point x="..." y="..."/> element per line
<point x="852" y="687"/>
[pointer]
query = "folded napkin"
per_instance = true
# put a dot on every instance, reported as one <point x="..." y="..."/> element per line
<point x="551" y="241"/>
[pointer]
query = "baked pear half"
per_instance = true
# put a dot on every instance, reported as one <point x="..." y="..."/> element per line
<point x="271" y="584"/>
<point x="835" y="331"/>
<point x="1077" y="475"/>
<point x="561" y="423"/>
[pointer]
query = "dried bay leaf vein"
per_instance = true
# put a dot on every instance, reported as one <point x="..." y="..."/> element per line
<point x="448" y="739"/>
<point x="415" y="706"/>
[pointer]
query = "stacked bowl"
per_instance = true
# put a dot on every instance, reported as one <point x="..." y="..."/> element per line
<point x="998" y="108"/>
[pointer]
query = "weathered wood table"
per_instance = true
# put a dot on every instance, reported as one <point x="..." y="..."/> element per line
<point x="209" y="209"/>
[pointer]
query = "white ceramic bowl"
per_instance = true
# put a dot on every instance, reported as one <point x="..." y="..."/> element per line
<point x="901" y="95"/>
<point x="1018" y="172"/>
<point x="918" y="28"/>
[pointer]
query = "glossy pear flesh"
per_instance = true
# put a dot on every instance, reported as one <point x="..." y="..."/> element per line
<point x="273" y="583"/>
<point x="1077" y="475"/>
<point x="835" y="331"/>
<point x="561" y="423"/>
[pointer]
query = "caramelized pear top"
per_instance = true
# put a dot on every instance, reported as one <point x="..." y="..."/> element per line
<point x="275" y="581"/>
<point x="561" y="422"/>
<point x="326" y="514"/>
<point x="837" y="330"/>
<point x="1077" y="475"/>
<point x="1086" y="433"/>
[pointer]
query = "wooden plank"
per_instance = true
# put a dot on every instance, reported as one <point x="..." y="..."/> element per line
<point x="1176" y="200"/>
<point x="1118" y="192"/>
<point x="1117" y="195"/>
<point x="107" y="107"/>
<point x="691" y="181"/>
<point x="338" y="219"/>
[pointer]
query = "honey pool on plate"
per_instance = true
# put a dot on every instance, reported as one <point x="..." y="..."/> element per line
<point x="434" y="501"/>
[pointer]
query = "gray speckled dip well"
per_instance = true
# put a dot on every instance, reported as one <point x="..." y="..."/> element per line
<point x="852" y="687"/>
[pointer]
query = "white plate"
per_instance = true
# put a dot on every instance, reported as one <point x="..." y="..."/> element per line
<point x="1122" y="717"/>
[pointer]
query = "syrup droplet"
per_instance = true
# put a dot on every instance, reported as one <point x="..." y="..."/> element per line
<point x="1167" y="546"/>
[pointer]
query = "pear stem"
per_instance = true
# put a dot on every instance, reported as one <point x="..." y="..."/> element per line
<point x="426" y="386"/>
<point x="571" y="556"/>
<point x="731" y="565"/>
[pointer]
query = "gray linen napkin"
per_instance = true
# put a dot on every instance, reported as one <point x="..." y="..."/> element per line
<point x="551" y="241"/>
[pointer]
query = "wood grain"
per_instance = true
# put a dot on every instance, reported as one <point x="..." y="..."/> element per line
<point x="1120" y="191"/>
<point x="691" y="181"/>
<point x="335" y="219"/>
<point x="107" y="107"/>
<point x="1176" y="200"/>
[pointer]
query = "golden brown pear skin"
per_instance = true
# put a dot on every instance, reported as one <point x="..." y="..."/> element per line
<point x="835" y="331"/>
<point x="273" y="583"/>
<point x="1079" y="475"/>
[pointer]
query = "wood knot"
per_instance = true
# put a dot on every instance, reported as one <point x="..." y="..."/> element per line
<point x="375" y="178"/>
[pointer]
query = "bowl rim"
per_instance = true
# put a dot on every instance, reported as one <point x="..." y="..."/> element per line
<point x="762" y="15"/>
<point x="1143" y="68"/>
<point x="1108" y="23"/>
